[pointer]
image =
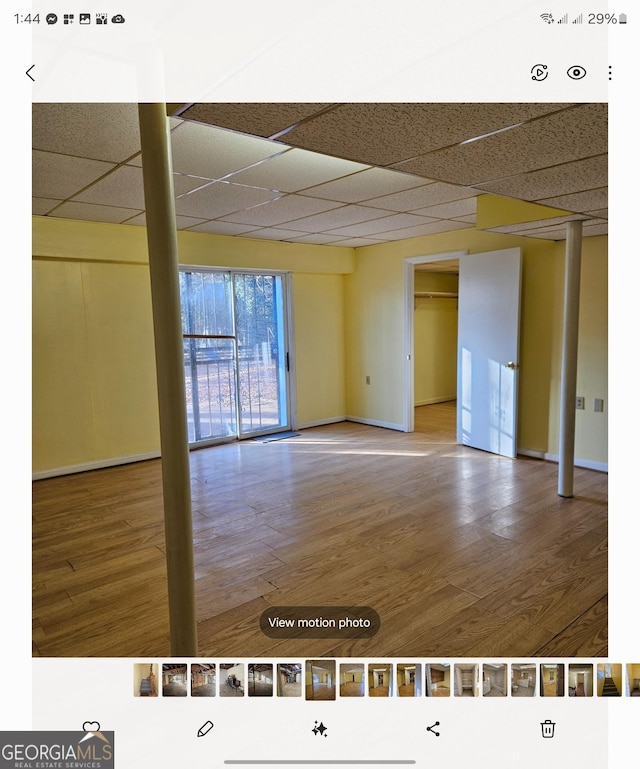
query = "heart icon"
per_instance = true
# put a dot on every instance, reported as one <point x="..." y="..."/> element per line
<point x="91" y="726"/>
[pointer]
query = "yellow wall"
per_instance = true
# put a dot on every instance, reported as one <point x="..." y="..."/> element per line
<point x="318" y="313"/>
<point x="374" y="311"/>
<point x="94" y="386"/>
<point x="94" y="393"/>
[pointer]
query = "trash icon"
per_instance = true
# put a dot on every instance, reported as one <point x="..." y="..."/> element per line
<point x="548" y="727"/>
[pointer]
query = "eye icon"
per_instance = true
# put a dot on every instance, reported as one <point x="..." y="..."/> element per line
<point x="576" y="72"/>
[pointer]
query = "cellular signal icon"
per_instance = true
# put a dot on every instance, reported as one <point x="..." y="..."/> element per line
<point x="547" y="17"/>
<point x="577" y="20"/>
<point x="564" y="19"/>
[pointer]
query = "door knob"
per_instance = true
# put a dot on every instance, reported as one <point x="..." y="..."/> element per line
<point x="511" y="365"/>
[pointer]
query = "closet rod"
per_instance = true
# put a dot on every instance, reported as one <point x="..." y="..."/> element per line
<point x="436" y="294"/>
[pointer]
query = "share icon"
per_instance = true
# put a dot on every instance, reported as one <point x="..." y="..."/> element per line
<point x="432" y="728"/>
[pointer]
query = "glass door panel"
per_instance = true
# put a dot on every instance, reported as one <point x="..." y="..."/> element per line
<point x="210" y="379"/>
<point x="259" y="312"/>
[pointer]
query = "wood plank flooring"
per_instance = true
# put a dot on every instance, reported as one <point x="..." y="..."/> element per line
<point x="461" y="553"/>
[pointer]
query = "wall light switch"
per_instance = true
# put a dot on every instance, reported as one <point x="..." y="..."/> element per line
<point x="367" y="379"/>
<point x="598" y="404"/>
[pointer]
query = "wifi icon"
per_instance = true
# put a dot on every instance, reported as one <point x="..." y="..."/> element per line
<point x="547" y="17"/>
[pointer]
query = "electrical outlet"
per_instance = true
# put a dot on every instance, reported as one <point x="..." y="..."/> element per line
<point x="598" y="405"/>
<point x="367" y="379"/>
<point x="580" y="402"/>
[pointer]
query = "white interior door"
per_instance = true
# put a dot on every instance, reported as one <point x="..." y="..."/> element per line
<point x="488" y="345"/>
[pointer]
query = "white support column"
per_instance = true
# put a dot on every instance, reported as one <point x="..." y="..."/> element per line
<point x="165" y="295"/>
<point x="569" y="373"/>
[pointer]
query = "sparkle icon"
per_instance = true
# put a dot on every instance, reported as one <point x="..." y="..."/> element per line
<point x="319" y="728"/>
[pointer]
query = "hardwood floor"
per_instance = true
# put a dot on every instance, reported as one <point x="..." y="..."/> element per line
<point x="462" y="553"/>
<point x="352" y="689"/>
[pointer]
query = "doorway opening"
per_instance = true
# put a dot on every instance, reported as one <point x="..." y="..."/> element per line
<point x="430" y="379"/>
<point x="435" y="351"/>
<point x="236" y="354"/>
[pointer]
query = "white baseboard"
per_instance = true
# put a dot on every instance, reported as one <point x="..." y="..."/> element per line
<point x="376" y="423"/>
<point x="99" y="464"/>
<point x="588" y="464"/>
<point x="321" y="422"/>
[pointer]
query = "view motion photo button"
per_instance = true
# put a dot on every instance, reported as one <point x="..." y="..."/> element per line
<point x="320" y="622"/>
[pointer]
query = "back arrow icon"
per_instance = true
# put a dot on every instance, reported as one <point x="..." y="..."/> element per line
<point x="29" y="70"/>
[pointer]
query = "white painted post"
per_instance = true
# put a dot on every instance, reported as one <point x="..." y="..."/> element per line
<point x="569" y="371"/>
<point x="165" y="295"/>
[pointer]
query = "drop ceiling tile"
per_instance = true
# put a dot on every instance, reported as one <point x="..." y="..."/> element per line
<point x="272" y="233"/>
<point x="581" y="201"/>
<point x="98" y="131"/>
<point x="444" y="225"/>
<point x="281" y="210"/>
<point x="590" y="230"/>
<point x="416" y="200"/>
<point x="253" y="118"/>
<point x="42" y="206"/>
<point x="125" y="187"/>
<point x="601" y="213"/>
<point x="384" y="224"/>
<point x="319" y="238"/>
<point x="94" y="213"/>
<point x="182" y="184"/>
<point x="561" y="234"/>
<point x="182" y="222"/>
<point x="587" y="224"/>
<point x="222" y="228"/>
<point x="219" y="199"/>
<point x="453" y="210"/>
<point x="383" y="134"/>
<point x="559" y="138"/>
<point x="338" y="217"/>
<point x="358" y="242"/>
<point x="364" y="185"/>
<point x="187" y="222"/>
<point x="296" y="169"/>
<point x="61" y="176"/>
<point x="522" y="227"/>
<point x="213" y="152"/>
<point x="550" y="182"/>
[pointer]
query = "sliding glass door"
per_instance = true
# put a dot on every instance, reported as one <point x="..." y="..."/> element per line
<point x="235" y="354"/>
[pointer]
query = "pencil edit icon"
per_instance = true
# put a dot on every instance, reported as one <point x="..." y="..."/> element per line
<point x="206" y="727"/>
